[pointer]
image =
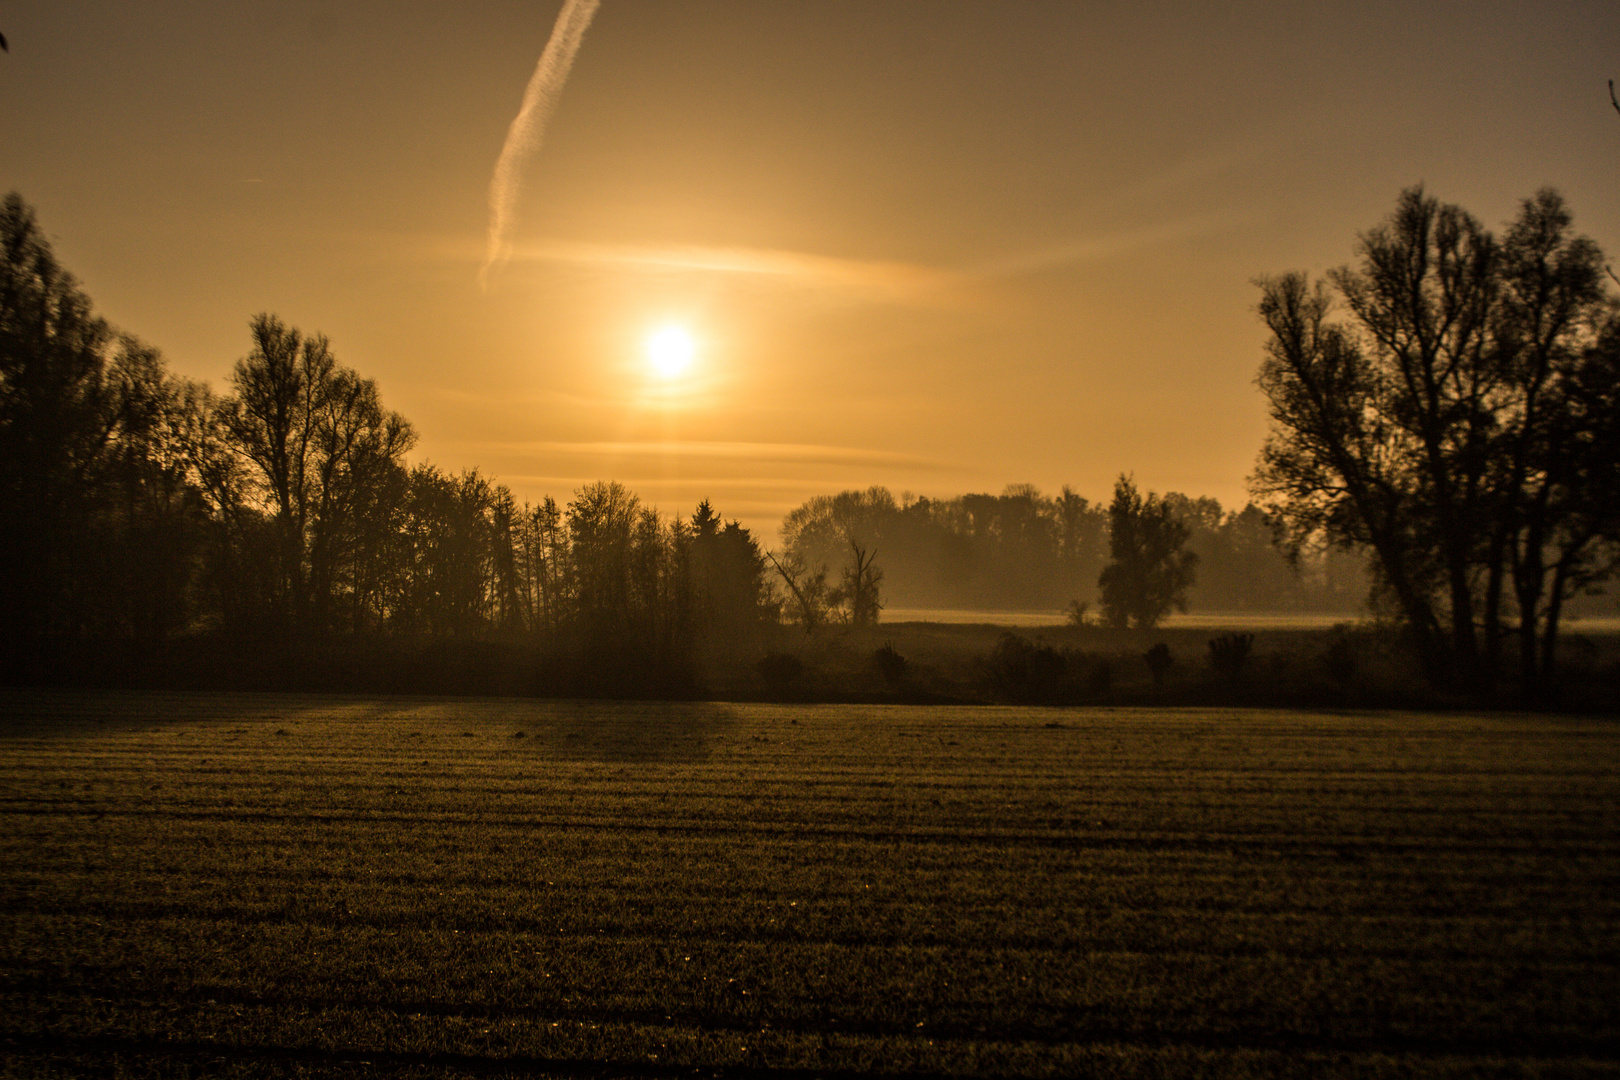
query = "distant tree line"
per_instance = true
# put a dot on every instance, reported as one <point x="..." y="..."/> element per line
<point x="1022" y="550"/>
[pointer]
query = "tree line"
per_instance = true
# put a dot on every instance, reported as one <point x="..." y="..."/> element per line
<point x="1445" y="415"/>
<point x="1022" y="550"/>
<point x="138" y="506"/>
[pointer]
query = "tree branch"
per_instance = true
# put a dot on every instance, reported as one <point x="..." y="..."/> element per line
<point x="806" y="609"/>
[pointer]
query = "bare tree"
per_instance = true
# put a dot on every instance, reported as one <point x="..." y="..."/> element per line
<point x="316" y="439"/>
<point x="862" y="579"/>
<point x="808" y="590"/>
<point x="1443" y="425"/>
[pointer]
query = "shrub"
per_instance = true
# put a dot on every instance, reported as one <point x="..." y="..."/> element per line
<point x="780" y="670"/>
<point x="1340" y="660"/>
<point x="1100" y="680"/>
<point x="1229" y="654"/>
<point x="890" y="664"/>
<point x="1158" y="660"/>
<point x="1024" y="670"/>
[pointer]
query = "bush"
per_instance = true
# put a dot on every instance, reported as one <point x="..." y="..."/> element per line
<point x="1229" y="654"/>
<point x="1158" y="660"/>
<point x="1024" y="670"/>
<point x="780" y="670"/>
<point x="890" y="664"/>
<point x="1100" y="679"/>
<point x="1340" y="661"/>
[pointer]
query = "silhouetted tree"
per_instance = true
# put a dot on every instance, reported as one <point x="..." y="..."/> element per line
<point x="316" y="439"/>
<point x="890" y="664"/>
<point x="1229" y="653"/>
<point x="545" y="562"/>
<point x="1024" y="670"/>
<point x="1443" y="427"/>
<point x="1150" y="571"/>
<point x="154" y="520"/>
<point x="1557" y="476"/>
<point x="731" y="597"/>
<point x="808" y="595"/>
<point x="862" y="580"/>
<point x="453" y="551"/>
<point x="631" y="589"/>
<point x="602" y="531"/>
<point x="57" y="420"/>
<point x="107" y="466"/>
<point x="820" y="531"/>
<point x="1080" y="530"/>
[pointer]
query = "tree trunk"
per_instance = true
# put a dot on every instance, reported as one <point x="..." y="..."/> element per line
<point x="1549" y="634"/>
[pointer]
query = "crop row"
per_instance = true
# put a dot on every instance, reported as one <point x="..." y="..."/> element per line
<point x="290" y="884"/>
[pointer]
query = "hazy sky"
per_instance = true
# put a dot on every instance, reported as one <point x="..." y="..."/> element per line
<point x="941" y="246"/>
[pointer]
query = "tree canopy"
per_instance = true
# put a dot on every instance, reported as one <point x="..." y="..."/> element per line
<point x="1150" y="570"/>
<point x="1458" y="421"/>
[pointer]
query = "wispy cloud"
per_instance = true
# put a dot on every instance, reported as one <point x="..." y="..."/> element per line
<point x="528" y="128"/>
<point x="652" y="485"/>
<point x="884" y="279"/>
<point x="874" y="279"/>
<point x="758" y="452"/>
<point x="1192" y="182"/>
<point x="1092" y="248"/>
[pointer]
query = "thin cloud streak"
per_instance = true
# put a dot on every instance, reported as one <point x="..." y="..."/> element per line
<point x="890" y="280"/>
<point x="794" y="453"/>
<point x="528" y="128"/>
<point x="1092" y="249"/>
<point x="653" y="482"/>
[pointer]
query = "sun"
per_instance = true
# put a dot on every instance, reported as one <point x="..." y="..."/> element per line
<point x="670" y="350"/>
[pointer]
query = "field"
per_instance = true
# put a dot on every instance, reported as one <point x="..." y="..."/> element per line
<point x="232" y="885"/>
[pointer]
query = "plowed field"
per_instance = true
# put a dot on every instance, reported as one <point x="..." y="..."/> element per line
<point x="216" y="885"/>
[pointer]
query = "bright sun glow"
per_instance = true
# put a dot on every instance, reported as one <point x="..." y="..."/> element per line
<point x="670" y="350"/>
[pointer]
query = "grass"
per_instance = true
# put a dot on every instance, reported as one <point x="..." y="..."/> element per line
<point x="238" y="885"/>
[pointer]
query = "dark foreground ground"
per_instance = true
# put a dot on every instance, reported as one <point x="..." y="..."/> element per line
<point x="216" y="885"/>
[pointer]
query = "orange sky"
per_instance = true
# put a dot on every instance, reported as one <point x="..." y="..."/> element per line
<point x="941" y="246"/>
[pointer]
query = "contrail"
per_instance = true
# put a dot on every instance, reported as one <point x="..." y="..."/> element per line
<point x="529" y="126"/>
